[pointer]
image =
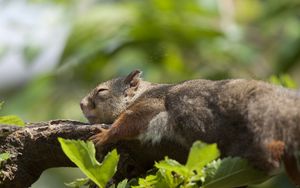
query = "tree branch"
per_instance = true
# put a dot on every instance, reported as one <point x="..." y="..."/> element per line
<point x="35" y="148"/>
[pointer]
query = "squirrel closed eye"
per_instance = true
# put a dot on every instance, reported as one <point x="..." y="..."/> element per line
<point x="101" y="90"/>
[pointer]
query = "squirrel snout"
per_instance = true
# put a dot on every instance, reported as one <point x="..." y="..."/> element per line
<point x="88" y="109"/>
<point x="84" y="105"/>
<point x="87" y="104"/>
<point x="81" y="105"/>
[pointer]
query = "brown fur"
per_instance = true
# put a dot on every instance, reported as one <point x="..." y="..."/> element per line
<point x="247" y="118"/>
<point x="292" y="169"/>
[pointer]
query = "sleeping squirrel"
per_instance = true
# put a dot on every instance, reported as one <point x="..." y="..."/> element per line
<point x="251" y="119"/>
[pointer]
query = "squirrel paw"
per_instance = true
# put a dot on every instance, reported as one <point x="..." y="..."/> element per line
<point x="276" y="148"/>
<point x="101" y="138"/>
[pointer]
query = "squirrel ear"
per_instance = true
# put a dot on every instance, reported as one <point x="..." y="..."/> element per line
<point x="133" y="78"/>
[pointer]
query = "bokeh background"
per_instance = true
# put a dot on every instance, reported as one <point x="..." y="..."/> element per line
<point x="52" y="52"/>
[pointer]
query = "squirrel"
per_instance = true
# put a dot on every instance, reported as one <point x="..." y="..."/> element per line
<point x="251" y="119"/>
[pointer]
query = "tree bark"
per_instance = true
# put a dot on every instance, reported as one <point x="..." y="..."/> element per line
<point x="35" y="148"/>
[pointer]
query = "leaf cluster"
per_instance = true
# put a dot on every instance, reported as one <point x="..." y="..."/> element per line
<point x="83" y="155"/>
<point x="203" y="169"/>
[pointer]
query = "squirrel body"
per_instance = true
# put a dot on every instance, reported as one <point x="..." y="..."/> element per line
<point x="246" y="118"/>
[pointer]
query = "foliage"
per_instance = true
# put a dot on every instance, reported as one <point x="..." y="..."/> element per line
<point x="80" y="182"/>
<point x="122" y="184"/>
<point x="203" y="168"/>
<point x="232" y="172"/>
<point x="10" y="119"/>
<point x="4" y="157"/>
<point x="283" y="80"/>
<point x="83" y="155"/>
<point x="173" y="174"/>
<point x="169" y="40"/>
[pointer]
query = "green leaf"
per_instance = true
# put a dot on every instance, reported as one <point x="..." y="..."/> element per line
<point x="169" y="178"/>
<point x="288" y="82"/>
<point x="149" y="181"/>
<point x="175" y="174"/>
<point x="11" y="120"/>
<point x="211" y="169"/>
<point x="283" y="80"/>
<point x="172" y="165"/>
<point x="233" y="172"/>
<point x="78" y="182"/>
<point x="4" y="157"/>
<point x="123" y="184"/>
<point x="83" y="155"/>
<point x="200" y="155"/>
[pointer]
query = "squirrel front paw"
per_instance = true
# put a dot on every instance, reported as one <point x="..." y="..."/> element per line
<point x="101" y="138"/>
<point x="276" y="149"/>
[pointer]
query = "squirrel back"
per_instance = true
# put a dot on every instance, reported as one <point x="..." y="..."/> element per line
<point x="246" y="118"/>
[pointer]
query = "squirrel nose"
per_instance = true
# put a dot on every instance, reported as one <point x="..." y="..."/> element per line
<point x="81" y="105"/>
<point x="87" y="103"/>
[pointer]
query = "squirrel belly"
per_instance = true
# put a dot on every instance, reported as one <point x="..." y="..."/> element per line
<point x="157" y="129"/>
<point x="246" y="118"/>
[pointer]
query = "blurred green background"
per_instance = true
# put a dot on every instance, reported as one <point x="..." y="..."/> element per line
<point x="52" y="52"/>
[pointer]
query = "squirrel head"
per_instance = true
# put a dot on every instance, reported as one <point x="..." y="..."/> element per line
<point x="105" y="102"/>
